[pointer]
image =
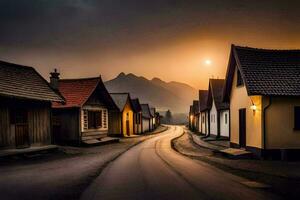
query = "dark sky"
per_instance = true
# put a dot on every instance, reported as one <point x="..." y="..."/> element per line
<point x="170" y="39"/>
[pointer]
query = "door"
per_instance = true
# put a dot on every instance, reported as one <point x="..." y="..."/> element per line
<point x="127" y="127"/>
<point x="127" y="124"/>
<point x="19" y="117"/>
<point x="242" y="127"/>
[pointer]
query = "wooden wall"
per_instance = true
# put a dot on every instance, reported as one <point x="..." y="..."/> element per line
<point x="66" y="127"/>
<point x="39" y="122"/>
<point x="114" y="122"/>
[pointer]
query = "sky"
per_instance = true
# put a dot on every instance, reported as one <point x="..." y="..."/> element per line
<point x="169" y="39"/>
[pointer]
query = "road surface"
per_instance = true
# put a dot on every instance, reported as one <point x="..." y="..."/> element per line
<point x="153" y="170"/>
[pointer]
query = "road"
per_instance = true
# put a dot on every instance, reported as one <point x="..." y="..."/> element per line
<point x="153" y="170"/>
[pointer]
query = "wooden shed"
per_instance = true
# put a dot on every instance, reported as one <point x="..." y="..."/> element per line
<point x="83" y="119"/>
<point x="122" y="119"/>
<point x="25" y="107"/>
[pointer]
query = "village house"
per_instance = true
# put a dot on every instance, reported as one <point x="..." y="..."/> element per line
<point x="157" y="119"/>
<point x="263" y="89"/>
<point x="191" y="117"/>
<point x="196" y="112"/>
<point x="146" y="116"/>
<point x="204" y="113"/>
<point x="202" y="104"/>
<point x="137" y="116"/>
<point x="123" y="119"/>
<point x="218" y="110"/>
<point x="153" y="118"/>
<point x="83" y="119"/>
<point x="25" y="107"/>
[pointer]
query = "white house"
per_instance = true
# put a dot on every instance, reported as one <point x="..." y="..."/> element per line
<point x="201" y="115"/>
<point x="146" y="118"/>
<point x="218" y="110"/>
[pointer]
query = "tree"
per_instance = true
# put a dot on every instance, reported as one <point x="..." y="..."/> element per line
<point x="168" y="117"/>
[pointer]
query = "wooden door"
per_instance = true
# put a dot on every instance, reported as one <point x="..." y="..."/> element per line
<point x="242" y="127"/>
<point x="127" y="128"/>
<point x="20" y="119"/>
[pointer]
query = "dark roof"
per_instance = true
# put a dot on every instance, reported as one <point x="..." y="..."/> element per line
<point x="265" y="72"/>
<point x="77" y="92"/>
<point x="146" y="111"/>
<point x="203" y="100"/>
<point x="215" y="92"/>
<point x="136" y="105"/>
<point x="196" y="108"/>
<point x="121" y="99"/>
<point x="191" y="112"/>
<point x="25" y="82"/>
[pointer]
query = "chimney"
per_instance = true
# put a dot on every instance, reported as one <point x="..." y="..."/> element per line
<point x="54" y="78"/>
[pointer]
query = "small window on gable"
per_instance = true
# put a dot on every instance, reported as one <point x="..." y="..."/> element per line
<point x="297" y="118"/>
<point x="239" y="81"/>
<point x="226" y="118"/>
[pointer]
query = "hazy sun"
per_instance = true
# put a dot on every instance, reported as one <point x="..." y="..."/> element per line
<point x="208" y="62"/>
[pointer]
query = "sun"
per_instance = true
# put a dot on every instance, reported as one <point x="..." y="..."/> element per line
<point x="208" y="62"/>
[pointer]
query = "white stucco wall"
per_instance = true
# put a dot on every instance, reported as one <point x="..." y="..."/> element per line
<point x="239" y="99"/>
<point x="224" y="124"/>
<point x="206" y="122"/>
<point x="213" y="120"/>
<point x="199" y="123"/>
<point x="146" y="125"/>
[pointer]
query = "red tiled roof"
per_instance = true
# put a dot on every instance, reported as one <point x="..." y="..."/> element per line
<point x="76" y="91"/>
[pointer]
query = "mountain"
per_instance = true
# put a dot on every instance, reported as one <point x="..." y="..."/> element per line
<point x="163" y="95"/>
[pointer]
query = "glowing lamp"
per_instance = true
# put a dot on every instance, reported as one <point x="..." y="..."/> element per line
<point x="253" y="107"/>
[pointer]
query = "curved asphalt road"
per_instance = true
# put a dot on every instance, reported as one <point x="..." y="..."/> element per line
<point x="153" y="170"/>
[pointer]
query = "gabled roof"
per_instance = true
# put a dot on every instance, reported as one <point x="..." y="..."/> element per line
<point x="121" y="99"/>
<point x="203" y="100"/>
<point x="78" y="91"/>
<point x="146" y="111"/>
<point x="215" y="93"/>
<point x="196" y="108"/>
<point x="136" y="105"/>
<point x="25" y="82"/>
<point x="152" y="112"/>
<point x="265" y="72"/>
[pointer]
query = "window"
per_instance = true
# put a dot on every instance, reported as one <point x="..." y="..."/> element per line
<point x="239" y="81"/>
<point x="297" y="118"/>
<point x="226" y="118"/>
<point x="94" y="119"/>
<point x="211" y="116"/>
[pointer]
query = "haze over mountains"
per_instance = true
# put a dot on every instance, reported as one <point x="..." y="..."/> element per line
<point x="163" y="95"/>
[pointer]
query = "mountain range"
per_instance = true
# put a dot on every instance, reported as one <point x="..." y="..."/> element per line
<point x="163" y="95"/>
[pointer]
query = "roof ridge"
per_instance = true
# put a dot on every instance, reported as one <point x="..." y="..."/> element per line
<point x="15" y="65"/>
<point x="119" y="93"/>
<point x="80" y="79"/>
<point x="264" y="49"/>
